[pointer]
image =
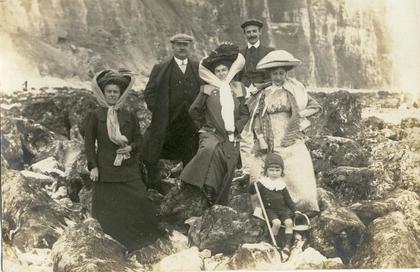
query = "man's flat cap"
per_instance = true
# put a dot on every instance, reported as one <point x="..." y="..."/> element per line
<point x="254" y="22"/>
<point x="181" y="37"/>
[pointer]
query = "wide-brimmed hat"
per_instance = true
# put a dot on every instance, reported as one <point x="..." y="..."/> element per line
<point x="225" y="54"/>
<point x="120" y="78"/>
<point x="181" y="37"/>
<point x="278" y="58"/>
<point x="254" y="22"/>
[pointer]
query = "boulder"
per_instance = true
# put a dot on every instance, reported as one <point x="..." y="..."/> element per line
<point x="399" y="200"/>
<point x="388" y="243"/>
<point x="261" y="256"/>
<point x="165" y="246"/>
<point x="326" y="199"/>
<point x="311" y="259"/>
<point x="349" y="183"/>
<point x="24" y="142"/>
<point x="33" y="218"/>
<point x="329" y="152"/>
<point x="186" y="260"/>
<point x="85" y="247"/>
<point x="341" y="115"/>
<point x="239" y="198"/>
<point x="410" y="122"/>
<point x="49" y="166"/>
<point x="223" y="229"/>
<point x="182" y="203"/>
<point x="373" y="123"/>
<point x="336" y="232"/>
<point x="218" y="262"/>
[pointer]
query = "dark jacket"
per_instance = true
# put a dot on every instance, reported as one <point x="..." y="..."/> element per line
<point x="277" y="200"/>
<point x="157" y="95"/>
<point x="103" y="158"/>
<point x="249" y="74"/>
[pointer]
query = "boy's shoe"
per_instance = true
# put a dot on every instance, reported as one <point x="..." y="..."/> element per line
<point x="285" y="253"/>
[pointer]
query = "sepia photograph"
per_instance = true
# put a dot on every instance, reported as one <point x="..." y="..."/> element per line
<point x="209" y="135"/>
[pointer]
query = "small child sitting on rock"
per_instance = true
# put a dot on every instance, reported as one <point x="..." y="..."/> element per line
<point x="278" y="204"/>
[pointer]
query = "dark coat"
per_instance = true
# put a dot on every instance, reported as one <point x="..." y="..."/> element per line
<point x="216" y="159"/>
<point x="157" y="96"/>
<point x="103" y="158"/>
<point x="249" y="74"/>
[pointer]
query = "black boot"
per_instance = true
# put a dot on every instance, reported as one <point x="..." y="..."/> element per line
<point x="288" y="243"/>
<point x="210" y="194"/>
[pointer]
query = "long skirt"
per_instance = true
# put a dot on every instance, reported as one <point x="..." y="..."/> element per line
<point x="213" y="165"/>
<point x="299" y="173"/>
<point x="125" y="213"/>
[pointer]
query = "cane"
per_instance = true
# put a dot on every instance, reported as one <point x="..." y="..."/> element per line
<point x="266" y="218"/>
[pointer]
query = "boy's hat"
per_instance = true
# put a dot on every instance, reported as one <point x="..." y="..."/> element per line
<point x="273" y="160"/>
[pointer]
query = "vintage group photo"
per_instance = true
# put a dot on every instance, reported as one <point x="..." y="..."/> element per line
<point x="193" y="135"/>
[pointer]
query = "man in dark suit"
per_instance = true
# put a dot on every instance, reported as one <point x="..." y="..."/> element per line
<point x="173" y="86"/>
<point x="253" y="53"/>
<point x="252" y="79"/>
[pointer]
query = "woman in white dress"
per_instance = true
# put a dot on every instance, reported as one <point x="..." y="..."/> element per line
<point x="278" y="117"/>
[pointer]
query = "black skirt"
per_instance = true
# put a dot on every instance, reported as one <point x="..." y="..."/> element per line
<point x="125" y="213"/>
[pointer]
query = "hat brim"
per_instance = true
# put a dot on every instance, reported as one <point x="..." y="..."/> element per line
<point x="276" y="64"/>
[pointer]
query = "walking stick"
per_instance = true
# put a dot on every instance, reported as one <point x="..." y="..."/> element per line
<point x="266" y="218"/>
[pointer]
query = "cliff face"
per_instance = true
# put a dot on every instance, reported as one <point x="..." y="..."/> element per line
<point x="340" y="45"/>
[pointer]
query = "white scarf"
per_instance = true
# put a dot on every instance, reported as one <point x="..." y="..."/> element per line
<point x="226" y="97"/>
<point x="273" y="185"/>
<point x="112" y="124"/>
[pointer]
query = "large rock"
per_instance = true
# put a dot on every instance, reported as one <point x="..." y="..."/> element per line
<point x="223" y="229"/>
<point x="182" y="203"/>
<point x="24" y="142"/>
<point x="186" y="260"/>
<point x="399" y="200"/>
<point x="328" y="152"/>
<point x="32" y="217"/>
<point x="326" y="199"/>
<point x="336" y="232"/>
<point x="261" y="256"/>
<point x="165" y="246"/>
<point x="341" y="115"/>
<point x="349" y="183"/>
<point x="388" y="243"/>
<point x="85" y="247"/>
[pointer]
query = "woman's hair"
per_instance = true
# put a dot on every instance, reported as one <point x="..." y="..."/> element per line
<point x="226" y="63"/>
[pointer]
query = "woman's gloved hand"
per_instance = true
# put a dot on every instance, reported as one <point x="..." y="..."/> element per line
<point x="94" y="174"/>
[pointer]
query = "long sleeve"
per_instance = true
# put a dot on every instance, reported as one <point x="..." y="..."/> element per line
<point x="91" y="128"/>
<point x="243" y="115"/>
<point x="198" y="109"/>
<point x="137" y="137"/>
<point x="150" y="90"/>
<point x="289" y="200"/>
<point x="311" y="108"/>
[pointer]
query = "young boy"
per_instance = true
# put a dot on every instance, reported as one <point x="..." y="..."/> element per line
<point x="276" y="198"/>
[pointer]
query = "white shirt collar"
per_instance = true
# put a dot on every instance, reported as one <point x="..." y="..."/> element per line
<point x="273" y="185"/>
<point x="179" y="62"/>
<point x="256" y="45"/>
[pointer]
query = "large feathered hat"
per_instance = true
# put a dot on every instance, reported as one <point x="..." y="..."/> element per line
<point x="225" y="54"/>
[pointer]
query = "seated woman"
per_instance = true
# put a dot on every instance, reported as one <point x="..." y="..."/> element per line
<point x="220" y="113"/>
<point x="278" y="117"/>
<point x="119" y="200"/>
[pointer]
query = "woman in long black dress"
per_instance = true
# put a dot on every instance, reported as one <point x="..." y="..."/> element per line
<point x="119" y="200"/>
<point x="220" y="113"/>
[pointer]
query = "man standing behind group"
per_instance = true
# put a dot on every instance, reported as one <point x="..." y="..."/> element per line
<point x="253" y="53"/>
<point x="173" y="86"/>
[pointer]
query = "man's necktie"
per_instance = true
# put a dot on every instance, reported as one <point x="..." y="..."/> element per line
<point x="253" y="55"/>
<point x="183" y="66"/>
